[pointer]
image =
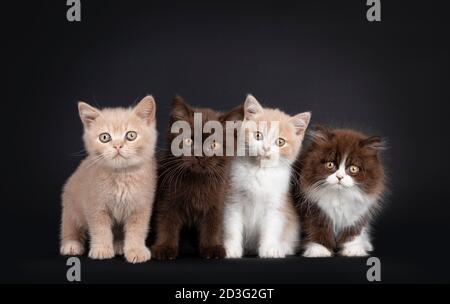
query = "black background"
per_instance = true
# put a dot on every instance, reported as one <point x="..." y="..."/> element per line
<point x="389" y="78"/>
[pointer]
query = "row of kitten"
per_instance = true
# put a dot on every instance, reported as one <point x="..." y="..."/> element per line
<point x="264" y="205"/>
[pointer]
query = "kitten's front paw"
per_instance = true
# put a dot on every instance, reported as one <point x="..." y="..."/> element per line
<point x="233" y="252"/>
<point x="164" y="252"/>
<point x="137" y="254"/>
<point x="354" y="250"/>
<point x="213" y="252"/>
<point x="271" y="251"/>
<point x="71" y="248"/>
<point x="101" y="252"/>
<point x="368" y="246"/>
<point x="314" y="250"/>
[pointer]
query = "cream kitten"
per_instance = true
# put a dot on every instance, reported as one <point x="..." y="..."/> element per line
<point x="114" y="186"/>
<point x="259" y="215"/>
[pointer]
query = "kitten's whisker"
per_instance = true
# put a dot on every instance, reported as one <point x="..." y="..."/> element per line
<point x="96" y="160"/>
<point x="82" y="152"/>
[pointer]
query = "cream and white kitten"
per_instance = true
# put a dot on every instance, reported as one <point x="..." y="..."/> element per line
<point x="259" y="215"/>
<point x="114" y="186"/>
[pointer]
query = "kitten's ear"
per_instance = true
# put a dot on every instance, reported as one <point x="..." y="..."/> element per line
<point x="321" y="134"/>
<point x="373" y="143"/>
<point x="236" y="114"/>
<point x="88" y="113"/>
<point x="300" y="122"/>
<point x="146" y="109"/>
<point x="180" y="109"/>
<point x="252" y="107"/>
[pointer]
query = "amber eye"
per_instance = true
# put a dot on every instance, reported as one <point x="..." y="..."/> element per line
<point x="104" y="137"/>
<point x="330" y="165"/>
<point x="131" y="135"/>
<point x="188" y="141"/>
<point x="353" y="169"/>
<point x="215" y="145"/>
<point x="280" y="142"/>
<point x="258" y="135"/>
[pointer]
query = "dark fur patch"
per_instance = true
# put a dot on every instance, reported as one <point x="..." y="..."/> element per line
<point x="191" y="191"/>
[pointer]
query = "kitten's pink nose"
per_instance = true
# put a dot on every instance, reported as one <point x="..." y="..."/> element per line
<point x="118" y="146"/>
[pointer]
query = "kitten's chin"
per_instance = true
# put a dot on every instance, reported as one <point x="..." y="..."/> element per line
<point x="199" y="169"/>
<point x="270" y="162"/>
<point x="338" y="186"/>
<point x="122" y="163"/>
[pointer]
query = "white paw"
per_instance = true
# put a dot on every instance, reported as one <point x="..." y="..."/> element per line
<point x="271" y="251"/>
<point x="101" y="252"/>
<point x="368" y="246"/>
<point x="137" y="254"/>
<point x="354" y="250"/>
<point x="71" y="248"/>
<point x="314" y="250"/>
<point x="118" y="247"/>
<point x="233" y="251"/>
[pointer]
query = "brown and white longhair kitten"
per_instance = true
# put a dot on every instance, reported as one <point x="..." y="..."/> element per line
<point x="110" y="195"/>
<point x="341" y="182"/>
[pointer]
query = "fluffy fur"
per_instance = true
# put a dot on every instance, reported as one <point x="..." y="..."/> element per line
<point x="341" y="181"/>
<point x="110" y="195"/>
<point x="191" y="190"/>
<point x="260" y="216"/>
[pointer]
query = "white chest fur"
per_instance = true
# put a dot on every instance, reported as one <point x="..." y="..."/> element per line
<point x="343" y="206"/>
<point x="257" y="217"/>
<point x="265" y="185"/>
<point x="257" y="192"/>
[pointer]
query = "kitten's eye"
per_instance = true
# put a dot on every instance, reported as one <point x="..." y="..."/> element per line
<point x="131" y="135"/>
<point x="330" y="165"/>
<point x="258" y="135"/>
<point x="104" y="137"/>
<point x="188" y="141"/>
<point x="353" y="169"/>
<point x="215" y="145"/>
<point x="280" y="142"/>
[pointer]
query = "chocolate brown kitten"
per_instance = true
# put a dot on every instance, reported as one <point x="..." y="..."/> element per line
<point x="341" y="181"/>
<point x="191" y="189"/>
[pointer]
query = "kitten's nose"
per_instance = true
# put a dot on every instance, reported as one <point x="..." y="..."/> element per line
<point x="118" y="146"/>
<point x="339" y="177"/>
